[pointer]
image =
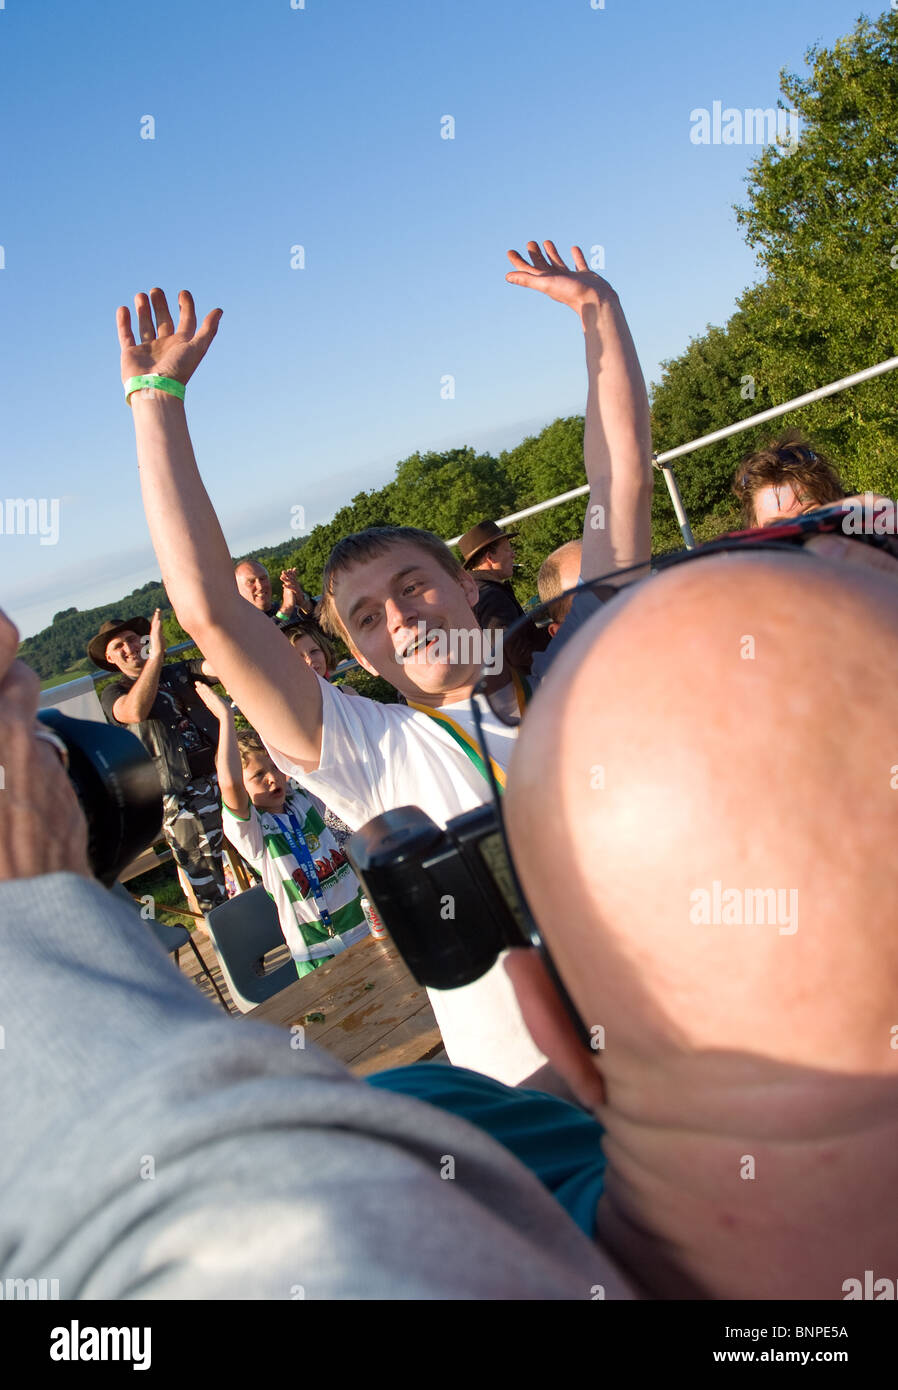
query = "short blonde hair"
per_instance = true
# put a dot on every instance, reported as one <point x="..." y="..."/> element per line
<point x="548" y="582"/>
<point x="249" y="743"/>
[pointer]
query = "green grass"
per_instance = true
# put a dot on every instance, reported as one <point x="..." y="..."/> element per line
<point x="163" y="886"/>
<point x="71" y="675"/>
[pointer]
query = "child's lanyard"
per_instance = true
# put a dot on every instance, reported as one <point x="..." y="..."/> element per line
<point x="303" y="857"/>
<point x="466" y="743"/>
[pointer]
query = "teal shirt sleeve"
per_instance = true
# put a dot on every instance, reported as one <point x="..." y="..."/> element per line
<point x="560" y="1143"/>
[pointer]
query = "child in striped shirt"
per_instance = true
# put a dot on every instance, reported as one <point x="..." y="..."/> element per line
<point x="279" y="829"/>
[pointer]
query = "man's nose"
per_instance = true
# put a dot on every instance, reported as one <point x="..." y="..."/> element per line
<point x="401" y="612"/>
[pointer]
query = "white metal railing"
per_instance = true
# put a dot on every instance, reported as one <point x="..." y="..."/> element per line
<point x="663" y="461"/>
<point x="660" y="461"/>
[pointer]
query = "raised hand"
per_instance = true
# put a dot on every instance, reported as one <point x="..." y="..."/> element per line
<point x="549" y="274"/>
<point x="163" y="349"/>
<point x="293" y="590"/>
<point x="213" y="701"/>
<point x="157" y="636"/>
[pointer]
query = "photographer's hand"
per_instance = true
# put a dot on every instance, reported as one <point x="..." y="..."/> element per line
<point x="42" y="827"/>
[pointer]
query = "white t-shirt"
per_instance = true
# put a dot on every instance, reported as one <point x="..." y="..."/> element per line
<point x="375" y="758"/>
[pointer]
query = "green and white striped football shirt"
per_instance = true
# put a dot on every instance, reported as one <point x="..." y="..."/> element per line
<point x="262" y="844"/>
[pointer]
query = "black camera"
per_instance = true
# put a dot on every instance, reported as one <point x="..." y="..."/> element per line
<point x="117" y="787"/>
<point x="447" y="896"/>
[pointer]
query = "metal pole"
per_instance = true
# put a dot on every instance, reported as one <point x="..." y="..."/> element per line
<point x="661" y="460"/>
<point x="879" y="370"/>
<point x="676" y="499"/>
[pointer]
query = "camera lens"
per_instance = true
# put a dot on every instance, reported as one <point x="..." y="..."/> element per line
<point x="117" y="787"/>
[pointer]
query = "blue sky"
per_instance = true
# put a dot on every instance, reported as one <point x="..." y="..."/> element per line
<point x="320" y="127"/>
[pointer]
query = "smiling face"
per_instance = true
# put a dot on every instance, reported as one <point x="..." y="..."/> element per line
<point x="266" y="786"/>
<point x="254" y="584"/>
<point x="126" y="652"/>
<point x="393" y="606"/>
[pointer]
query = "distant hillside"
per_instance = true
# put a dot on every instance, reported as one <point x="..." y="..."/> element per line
<point x="446" y="493"/>
<point x="60" y="650"/>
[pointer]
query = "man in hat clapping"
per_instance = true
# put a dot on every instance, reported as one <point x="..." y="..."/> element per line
<point x="487" y="554"/>
<point x="160" y="705"/>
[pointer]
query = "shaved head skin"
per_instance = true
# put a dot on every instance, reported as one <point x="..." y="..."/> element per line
<point x="719" y="750"/>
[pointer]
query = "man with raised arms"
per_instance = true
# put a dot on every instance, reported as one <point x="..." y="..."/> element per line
<point x="381" y="590"/>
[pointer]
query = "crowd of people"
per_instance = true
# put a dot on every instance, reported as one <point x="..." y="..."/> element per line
<point x="622" y="1167"/>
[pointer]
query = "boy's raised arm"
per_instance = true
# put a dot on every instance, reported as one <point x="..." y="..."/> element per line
<point x="617" y="444"/>
<point x="228" y="766"/>
<point x="272" y="685"/>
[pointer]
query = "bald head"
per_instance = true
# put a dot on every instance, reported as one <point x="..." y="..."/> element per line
<point x="718" y="750"/>
<point x="254" y="583"/>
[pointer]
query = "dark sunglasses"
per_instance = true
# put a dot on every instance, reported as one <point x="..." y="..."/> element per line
<point x="790" y="535"/>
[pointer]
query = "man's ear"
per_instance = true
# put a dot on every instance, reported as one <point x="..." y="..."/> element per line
<point x="550" y="1027"/>
<point x="553" y="628"/>
<point x="470" y="588"/>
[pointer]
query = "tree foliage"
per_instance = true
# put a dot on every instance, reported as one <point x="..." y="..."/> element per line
<point x="823" y="218"/>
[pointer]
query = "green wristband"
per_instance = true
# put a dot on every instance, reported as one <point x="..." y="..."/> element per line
<point x="155" y="382"/>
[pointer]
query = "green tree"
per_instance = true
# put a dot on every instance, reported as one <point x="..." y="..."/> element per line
<point x="538" y="468"/>
<point x="707" y="387"/>
<point x="823" y="219"/>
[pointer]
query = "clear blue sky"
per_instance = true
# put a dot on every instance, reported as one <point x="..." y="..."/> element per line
<point x="320" y="127"/>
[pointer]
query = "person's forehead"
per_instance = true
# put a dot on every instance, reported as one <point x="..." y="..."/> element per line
<point x="374" y="578"/>
<point x="251" y="569"/>
<point x="256" y="760"/>
<point x="124" y="636"/>
<point x="779" y="496"/>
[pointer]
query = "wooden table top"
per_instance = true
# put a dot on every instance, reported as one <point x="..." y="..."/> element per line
<point x="375" y="1015"/>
